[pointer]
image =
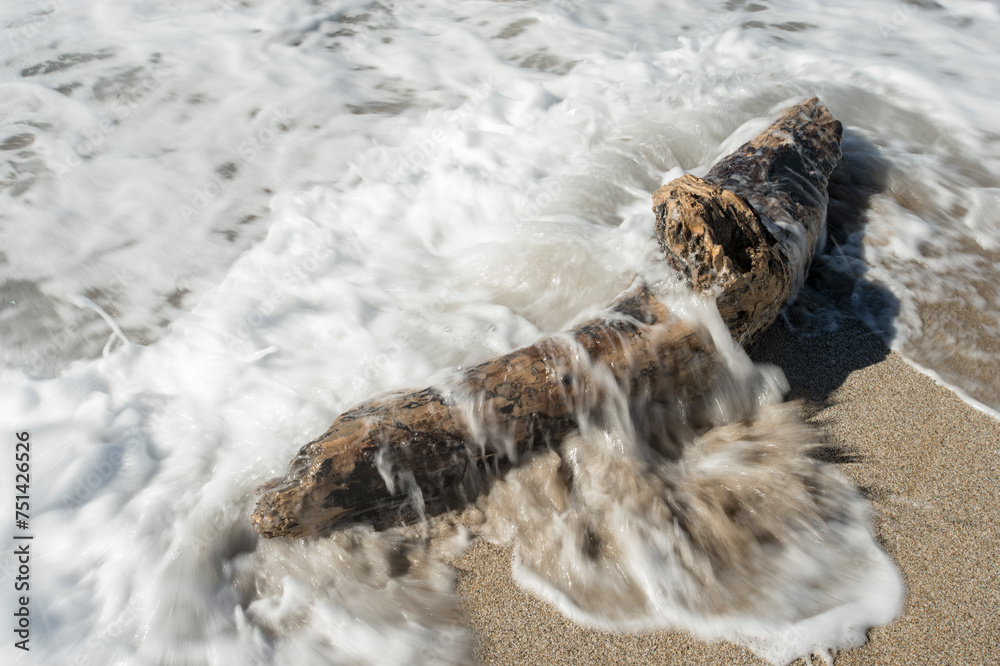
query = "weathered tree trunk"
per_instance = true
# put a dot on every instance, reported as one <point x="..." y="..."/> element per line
<point x="745" y="234"/>
<point x="711" y="229"/>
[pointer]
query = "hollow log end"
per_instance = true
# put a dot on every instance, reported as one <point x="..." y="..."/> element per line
<point x="711" y="235"/>
<point x="717" y="242"/>
<point x="713" y="231"/>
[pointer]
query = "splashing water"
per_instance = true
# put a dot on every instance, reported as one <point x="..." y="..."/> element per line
<point x="735" y="531"/>
<point x="286" y="207"/>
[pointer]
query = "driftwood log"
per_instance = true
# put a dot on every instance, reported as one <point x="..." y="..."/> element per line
<point x="745" y="234"/>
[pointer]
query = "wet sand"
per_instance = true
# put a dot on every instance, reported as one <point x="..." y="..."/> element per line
<point x="928" y="463"/>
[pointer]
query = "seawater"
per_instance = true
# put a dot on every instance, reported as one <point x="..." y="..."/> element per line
<point x="223" y="223"/>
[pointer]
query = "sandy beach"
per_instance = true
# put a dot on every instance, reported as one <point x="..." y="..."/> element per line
<point x="926" y="461"/>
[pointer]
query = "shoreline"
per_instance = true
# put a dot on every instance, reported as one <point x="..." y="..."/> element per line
<point x="927" y="462"/>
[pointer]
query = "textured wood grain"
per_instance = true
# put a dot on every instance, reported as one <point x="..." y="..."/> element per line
<point x="506" y="405"/>
<point x="745" y="234"/>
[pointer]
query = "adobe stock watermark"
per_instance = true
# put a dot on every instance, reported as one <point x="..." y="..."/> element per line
<point x="28" y="30"/>
<point x="415" y="160"/>
<point x="46" y="357"/>
<point x="901" y="15"/>
<point x="107" y="466"/>
<point x="125" y="103"/>
<point x="362" y="37"/>
<point x="304" y="269"/>
<point x="104" y="640"/>
<point x="363" y="382"/>
<point x="449" y="643"/>
<point x="65" y="343"/>
<point x="223" y="7"/>
<point x="568" y="6"/>
<point x="547" y="191"/>
<point x="248" y="151"/>
<point x="716" y="26"/>
<point x="897" y="19"/>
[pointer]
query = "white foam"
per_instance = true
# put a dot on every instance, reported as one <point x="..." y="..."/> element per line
<point x="940" y="381"/>
<point x="288" y="207"/>
<point x="662" y="533"/>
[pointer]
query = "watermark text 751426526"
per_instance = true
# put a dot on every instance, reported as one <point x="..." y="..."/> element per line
<point x="22" y="545"/>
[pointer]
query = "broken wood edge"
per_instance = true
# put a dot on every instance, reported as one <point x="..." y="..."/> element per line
<point x="746" y="232"/>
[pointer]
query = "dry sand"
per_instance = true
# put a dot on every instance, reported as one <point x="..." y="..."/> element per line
<point x="929" y="464"/>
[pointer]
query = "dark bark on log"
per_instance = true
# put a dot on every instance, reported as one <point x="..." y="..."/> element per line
<point x="712" y="231"/>
<point x="745" y="234"/>
<point x="501" y="407"/>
